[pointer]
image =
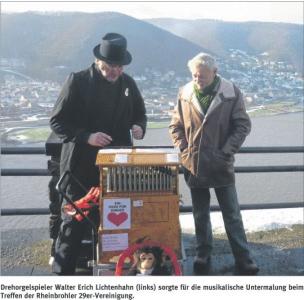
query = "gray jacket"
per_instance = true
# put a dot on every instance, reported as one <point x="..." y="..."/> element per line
<point x="208" y="142"/>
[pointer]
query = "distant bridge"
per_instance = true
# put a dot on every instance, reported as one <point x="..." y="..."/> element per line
<point x="16" y="73"/>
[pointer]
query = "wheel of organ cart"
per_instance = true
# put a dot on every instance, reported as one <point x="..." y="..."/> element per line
<point x="139" y="200"/>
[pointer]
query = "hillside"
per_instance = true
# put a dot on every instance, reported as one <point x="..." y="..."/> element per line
<point x="280" y="40"/>
<point x="51" y="45"/>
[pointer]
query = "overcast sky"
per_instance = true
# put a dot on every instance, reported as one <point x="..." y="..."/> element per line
<point x="288" y="12"/>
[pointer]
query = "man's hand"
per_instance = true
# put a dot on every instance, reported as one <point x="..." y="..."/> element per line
<point x="137" y="132"/>
<point x="99" y="139"/>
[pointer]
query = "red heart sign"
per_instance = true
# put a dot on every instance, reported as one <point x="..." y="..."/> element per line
<point x="117" y="219"/>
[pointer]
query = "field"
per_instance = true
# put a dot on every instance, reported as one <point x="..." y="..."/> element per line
<point x="40" y="134"/>
<point x="275" y="109"/>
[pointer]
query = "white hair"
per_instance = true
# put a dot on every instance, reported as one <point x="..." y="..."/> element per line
<point x="202" y="59"/>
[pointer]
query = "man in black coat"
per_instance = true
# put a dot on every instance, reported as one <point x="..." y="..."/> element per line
<point x="97" y="107"/>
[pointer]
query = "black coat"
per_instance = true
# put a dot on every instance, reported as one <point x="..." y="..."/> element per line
<point x="78" y="113"/>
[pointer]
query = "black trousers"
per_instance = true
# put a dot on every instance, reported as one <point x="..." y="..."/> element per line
<point x="54" y="198"/>
<point x="68" y="244"/>
<point x="71" y="233"/>
<point x="227" y="199"/>
<point x="229" y="205"/>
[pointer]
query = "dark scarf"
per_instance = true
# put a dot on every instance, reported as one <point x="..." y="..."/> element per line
<point x="206" y="96"/>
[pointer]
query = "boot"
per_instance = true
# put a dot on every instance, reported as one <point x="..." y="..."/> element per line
<point x="246" y="266"/>
<point x="201" y="265"/>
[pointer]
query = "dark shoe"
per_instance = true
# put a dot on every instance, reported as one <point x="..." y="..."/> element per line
<point x="201" y="265"/>
<point x="246" y="267"/>
<point x="51" y="260"/>
<point x="53" y="247"/>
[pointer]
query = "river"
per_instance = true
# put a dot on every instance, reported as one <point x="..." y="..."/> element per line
<point x="279" y="130"/>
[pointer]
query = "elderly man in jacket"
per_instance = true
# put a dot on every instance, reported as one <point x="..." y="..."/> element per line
<point x="97" y="107"/>
<point x="209" y="125"/>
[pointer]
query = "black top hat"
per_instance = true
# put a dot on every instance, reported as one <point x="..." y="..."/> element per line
<point x="113" y="49"/>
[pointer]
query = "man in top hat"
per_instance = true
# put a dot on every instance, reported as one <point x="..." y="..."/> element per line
<point x="97" y="107"/>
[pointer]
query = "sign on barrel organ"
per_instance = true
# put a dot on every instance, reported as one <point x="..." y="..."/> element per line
<point x="139" y="200"/>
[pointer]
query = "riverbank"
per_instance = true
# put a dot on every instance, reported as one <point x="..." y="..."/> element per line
<point x="274" y="109"/>
<point x="22" y="135"/>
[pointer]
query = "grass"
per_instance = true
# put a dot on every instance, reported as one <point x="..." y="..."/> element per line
<point x="283" y="238"/>
<point x="158" y="125"/>
<point x="39" y="134"/>
<point x="37" y="254"/>
<point x="276" y="108"/>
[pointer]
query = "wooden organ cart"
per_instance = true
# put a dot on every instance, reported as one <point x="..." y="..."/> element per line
<point x="139" y="202"/>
